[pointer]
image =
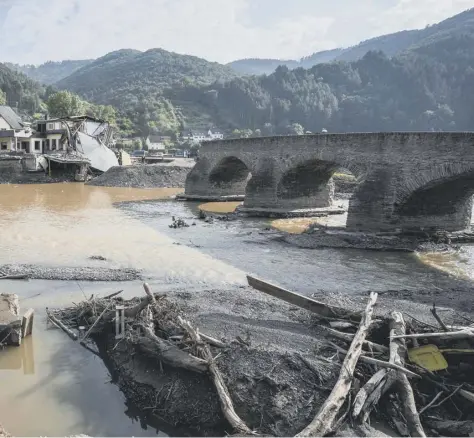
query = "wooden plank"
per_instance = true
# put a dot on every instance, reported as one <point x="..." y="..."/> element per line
<point x="324" y="310"/>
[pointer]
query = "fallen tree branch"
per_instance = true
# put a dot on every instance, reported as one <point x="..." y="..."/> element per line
<point x="226" y="402"/>
<point x="432" y="402"/>
<point x="451" y="428"/>
<point x="364" y="393"/>
<point x="108" y="297"/>
<point x="83" y="340"/>
<point x="437" y="317"/>
<point x="398" y="352"/>
<point x="60" y="324"/>
<point x="461" y="334"/>
<point x="380" y="363"/>
<point x="14" y="277"/>
<point x="349" y="337"/>
<point x="326" y="416"/>
<point x="153" y="346"/>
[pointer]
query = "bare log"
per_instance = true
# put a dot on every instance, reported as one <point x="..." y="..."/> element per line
<point x="379" y="390"/>
<point x="448" y="336"/>
<point x="324" y="421"/>
<point x="398" y="352"/>
<point x="349" y="338"/>
<point x="108" y="297"/>
<point x="451" y="428"/>
<point x="60" y="324"/>
<point x="212" y="341"/>
<point x="226" y="401"/>
<point x="380" y="363"/>
<point x="146" y="286"/>
<point x="364" y="393"/>
<point x="165" y="351"/>
<point x="324" y="310"/>
<point x="14" y="277"/>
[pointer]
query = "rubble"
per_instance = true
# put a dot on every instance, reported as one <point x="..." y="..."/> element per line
<point x="178" y="223"/>
<point x="361" y="372"/>
<point x="141" y="176"/>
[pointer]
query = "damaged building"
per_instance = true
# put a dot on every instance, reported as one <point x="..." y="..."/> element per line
<point x="69" y="145"/>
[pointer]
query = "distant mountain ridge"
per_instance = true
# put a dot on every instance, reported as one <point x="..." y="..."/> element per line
<point x="50" y="72"/>
<point x="390" y="44"/>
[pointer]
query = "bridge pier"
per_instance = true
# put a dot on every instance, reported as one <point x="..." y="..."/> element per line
<point x="268" y="191"/>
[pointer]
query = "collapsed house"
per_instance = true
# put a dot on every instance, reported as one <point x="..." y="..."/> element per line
<point x="68" y="145"/>
<point x="80" y="140"/>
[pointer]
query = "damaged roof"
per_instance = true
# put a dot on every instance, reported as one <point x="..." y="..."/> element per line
<point x="11" y="117"/>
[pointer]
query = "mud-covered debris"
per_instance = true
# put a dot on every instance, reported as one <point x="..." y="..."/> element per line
<point x="178" y="223"/>
<point x="98" y="257"/>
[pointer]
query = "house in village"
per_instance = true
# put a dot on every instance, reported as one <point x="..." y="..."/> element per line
<point x="155" y="143"/>
<point x="15" y="135"/>
<point x="199" y="137"/>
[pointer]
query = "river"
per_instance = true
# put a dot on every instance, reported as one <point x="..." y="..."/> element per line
<point x="51" y="385"/>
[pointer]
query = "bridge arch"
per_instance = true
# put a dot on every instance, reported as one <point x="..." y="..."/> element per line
<point x="230" y="173"/>
<point x="307" y="184"/>
<point x="440" y="198"/>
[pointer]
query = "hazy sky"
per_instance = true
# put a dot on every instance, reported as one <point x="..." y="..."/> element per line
<point x="34" y="31"/>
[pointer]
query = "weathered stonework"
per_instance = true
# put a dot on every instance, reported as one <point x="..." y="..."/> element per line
<point x="406" y="180"/>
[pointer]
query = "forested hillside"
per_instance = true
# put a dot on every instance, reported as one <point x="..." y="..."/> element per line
<point x="50" y="72"/>
<point x="18" y="90"/>
<point x="135" y="81"/>
<point x="427" y="87"/>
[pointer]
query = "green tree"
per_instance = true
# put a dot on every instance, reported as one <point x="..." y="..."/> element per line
<point x="236" y="133"/>
<point x="3" y="97"/>
<point x="295" y="129"/>
<point x="137" y="144"/>
<point x="104" y="112"/>
<point x="246" y="133"/>
<point x="65" y="103"/>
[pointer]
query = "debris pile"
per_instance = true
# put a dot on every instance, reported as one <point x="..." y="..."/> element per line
<point x="178" y="223"/>
<point x="412" y="376"/>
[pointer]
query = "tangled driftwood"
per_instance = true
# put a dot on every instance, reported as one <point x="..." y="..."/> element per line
<point x="385" y="379"/>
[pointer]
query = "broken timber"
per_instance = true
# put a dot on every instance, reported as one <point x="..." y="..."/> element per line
<point x="321" y="309"/>
<point x="324" y="421"/>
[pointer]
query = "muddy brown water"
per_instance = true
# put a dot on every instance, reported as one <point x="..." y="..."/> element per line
<point x="51" y="385"/>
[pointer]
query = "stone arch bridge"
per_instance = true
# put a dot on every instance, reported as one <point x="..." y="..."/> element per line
<point x="406" y="180"/>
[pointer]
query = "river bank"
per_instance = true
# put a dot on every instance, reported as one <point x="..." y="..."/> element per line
<point x="200" y="268"/>
<point x="161" y="175"/>
<point x="277" y="372"/>
<point x="144" y="176"/>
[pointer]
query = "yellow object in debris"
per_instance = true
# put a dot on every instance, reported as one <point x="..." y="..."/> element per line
<point x="428" y="357"/>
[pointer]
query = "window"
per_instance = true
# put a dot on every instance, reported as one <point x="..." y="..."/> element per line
<point x="47" y="143"/>
<point x="4" y="146"/>
<point x="24" y="145"/>
<point x="37" y="145"/>
<point x="53" y="144"/>
<point x="50" y="126"/>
